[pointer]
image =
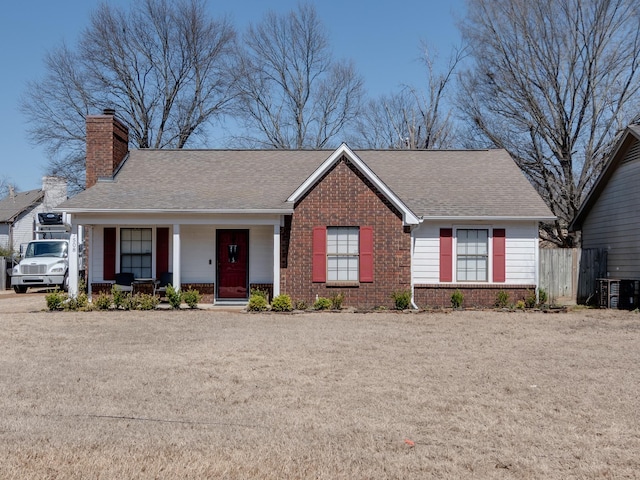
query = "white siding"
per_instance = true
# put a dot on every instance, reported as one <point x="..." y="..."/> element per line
<point x="426" y="253"/>
<point x="197" y="249"/>
<point x="613" y="222"/>
<point x="520" y="252"/>
<point x="96" y="250"/>
<point x="261" y="254"/>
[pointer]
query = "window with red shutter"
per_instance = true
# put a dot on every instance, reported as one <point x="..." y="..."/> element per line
<point x="109" y="254"/>
<point x="446" y="255"/>
<point x="499" y="255"/>
<point x="366" y="254"/>
<point x="319" y="261"/>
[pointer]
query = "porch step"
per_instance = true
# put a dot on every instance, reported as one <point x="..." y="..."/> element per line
<point x="231" y="303"/>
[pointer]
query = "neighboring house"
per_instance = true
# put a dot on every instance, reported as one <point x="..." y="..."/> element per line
<point x="310" y="223"/>
<point x="19" y="211"/>
<point x="608" y="218"/>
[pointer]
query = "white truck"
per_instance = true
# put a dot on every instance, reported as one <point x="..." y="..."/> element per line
<point x="44" y="260"/>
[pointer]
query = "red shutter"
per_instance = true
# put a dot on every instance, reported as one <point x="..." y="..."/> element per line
<point x="319" y="268"/>
<point x="162" y="251"/>
<point x="499" y="263"/>
<point x="446" y="255"/>
<point x="109" y="254"/>
<point x="366" y="254"/>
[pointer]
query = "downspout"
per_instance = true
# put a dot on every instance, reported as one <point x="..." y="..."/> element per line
<point x="413" y="303"/>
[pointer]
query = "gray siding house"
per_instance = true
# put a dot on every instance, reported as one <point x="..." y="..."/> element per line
<point x="608" y="218"/>
<point x="19" y="211"/>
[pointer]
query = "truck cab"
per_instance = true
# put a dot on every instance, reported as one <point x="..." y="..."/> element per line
<point x="44" y="264"/>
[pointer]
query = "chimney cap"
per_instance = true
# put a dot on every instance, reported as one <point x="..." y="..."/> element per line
<point x="109" y="111"/>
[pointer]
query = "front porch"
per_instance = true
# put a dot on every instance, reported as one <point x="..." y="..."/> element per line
<point x="222" y="258"/>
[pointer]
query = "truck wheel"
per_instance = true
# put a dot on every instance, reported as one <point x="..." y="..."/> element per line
<point x="20" y="289"/>
<point x="65" y="283"/>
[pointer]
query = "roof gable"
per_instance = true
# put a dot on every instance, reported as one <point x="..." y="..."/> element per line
<point x="630" y="136"/>
<point x="408" y="217"/>
<point x="12" y="206"/>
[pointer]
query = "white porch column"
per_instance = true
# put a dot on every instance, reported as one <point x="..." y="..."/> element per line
<point x="72" y="258"/>
<point x="276" y="260"/>
<point x="176" y="257"/>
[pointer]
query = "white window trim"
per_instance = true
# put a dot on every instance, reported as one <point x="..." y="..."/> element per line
<point x="489" y="229"/>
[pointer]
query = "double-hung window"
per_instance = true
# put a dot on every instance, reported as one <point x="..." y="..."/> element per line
<point x="135" y="251"/>
<point x="343" y="254"/>
<point x="472" y="255"/>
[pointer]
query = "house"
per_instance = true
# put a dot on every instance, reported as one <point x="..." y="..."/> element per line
<point x="19" y="211"/>
<point x="608" y="218"/>
<point x="309" y="223"/>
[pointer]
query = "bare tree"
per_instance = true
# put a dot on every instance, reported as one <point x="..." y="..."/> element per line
<point x="553" y="83"/>
<point x="291" y="94"/>
<point x="6" y="186"/>
<point x="412" y="118"/>
<point x="163" y="66"/>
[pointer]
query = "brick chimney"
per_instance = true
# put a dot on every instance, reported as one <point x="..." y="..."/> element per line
<point x="107" y="145"/>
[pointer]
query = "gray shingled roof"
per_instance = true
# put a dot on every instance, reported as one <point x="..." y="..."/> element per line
<point x="440" y="183"/>
<point x="12" y="207"/>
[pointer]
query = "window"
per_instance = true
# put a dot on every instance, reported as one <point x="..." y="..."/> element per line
<point x="343" y="254"/>
<point x="472" y="255"/>
<point x="135" y="251"/>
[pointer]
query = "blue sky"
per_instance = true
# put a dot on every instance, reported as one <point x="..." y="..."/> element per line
<point x="382" y="37"/>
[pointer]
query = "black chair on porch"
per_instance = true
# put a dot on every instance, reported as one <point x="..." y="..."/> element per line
<point x="166" y="278"/>
<point x="124" y="281"/>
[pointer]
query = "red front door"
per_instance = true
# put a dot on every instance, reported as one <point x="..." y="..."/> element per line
<point x="233" y="263"/>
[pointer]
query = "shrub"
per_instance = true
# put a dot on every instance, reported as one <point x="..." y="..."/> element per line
<point x="192" y="298"/>
<point x="502" y="299"/>
<point x="257" y="303"/>
<point x="102" y="301"/>
<point x="336" y="301"/>
<point x="457" y="298"/>
<point x="542" y="296"/>
<point x="520" y="305"/>
<point x="55" y="300"/>
<point x="259" y="292"/>
<point x="174" y="296"/>
<point x="282" y="303"/>
<point x="530" y="299"/>
<point x="120" y="298"/>
<point x="80" y="302"/>
<point x="322" y="303"/>
<point x="301" y="305"/>
<point x="144" y="301"/>
<point x="401" y="299"/>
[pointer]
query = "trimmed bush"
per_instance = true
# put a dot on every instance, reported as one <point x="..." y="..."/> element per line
<point x="257" y="303"/>
<point x="174" y="296"/>
<point x="192" y="298"/>
<point x="401" y="299"/>
<point x="282" y="303"/>
<point x="55" y="300"/>
<point x="103" y="301"/>
<point x="322" y="303"/>
<point x="120" y="298"/>
<point x="457" y="298"/>
<point x="502" y="299"/>
<point x="301" y="305"/>
<point x="336" y="301"/>
<point x="144" y="301"/>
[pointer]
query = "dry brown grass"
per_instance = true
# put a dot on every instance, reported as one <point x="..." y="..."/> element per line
<point x="210" y="394"/>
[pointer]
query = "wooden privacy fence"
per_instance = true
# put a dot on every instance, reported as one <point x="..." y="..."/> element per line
<point x="558" y="271"/>
<point x="571" y="274"/>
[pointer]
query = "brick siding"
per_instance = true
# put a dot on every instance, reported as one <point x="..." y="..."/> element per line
<point x="438" y="295"/>
<point x="107" y="145"/>
<point x="344" y="197"/>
